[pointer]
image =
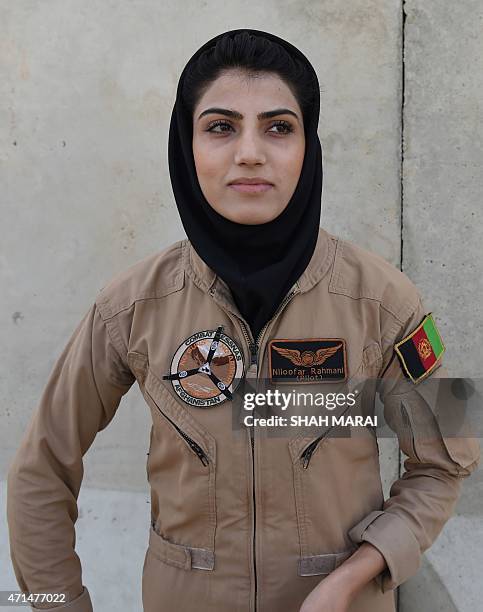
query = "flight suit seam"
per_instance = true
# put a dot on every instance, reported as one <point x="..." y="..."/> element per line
<point x="407" y="310"/>
<point x="391" y="334"/>
<point x="97" y="313"/>
<point x="300" y="509"/>
<point x="338" y="286"/>
<point x="107" y="309"/>
<point x="389" y="338"/>
<point x="314" y="275"/>
<point x="111" y="321"/>
<point x="188" y="266"/>
<point x="112" y="328"/>
<point x="339" y="290"/>
<point x="147" y="295"/>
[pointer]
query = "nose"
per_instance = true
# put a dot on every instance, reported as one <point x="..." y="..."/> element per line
<point x="249" y="149"/>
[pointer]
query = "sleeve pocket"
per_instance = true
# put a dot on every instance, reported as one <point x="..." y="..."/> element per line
<point x="433" y="424"/>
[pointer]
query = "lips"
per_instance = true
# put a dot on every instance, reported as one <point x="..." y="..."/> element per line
<point x="250" y="188"/>
<point x="250" y="185"/>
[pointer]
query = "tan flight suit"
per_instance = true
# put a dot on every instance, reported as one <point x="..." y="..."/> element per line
<point x="238" y="525"/>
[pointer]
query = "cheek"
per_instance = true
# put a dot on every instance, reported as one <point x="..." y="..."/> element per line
<point x="292" y="162"/>
<point x="208" y="164"/>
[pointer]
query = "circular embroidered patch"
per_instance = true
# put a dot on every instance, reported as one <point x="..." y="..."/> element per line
<point x="205" y="367"/>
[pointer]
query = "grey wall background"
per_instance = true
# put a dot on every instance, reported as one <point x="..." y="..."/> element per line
<point x="86" y="91"/>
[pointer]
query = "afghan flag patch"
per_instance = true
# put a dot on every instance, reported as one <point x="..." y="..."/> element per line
<point x="419" y="352"/>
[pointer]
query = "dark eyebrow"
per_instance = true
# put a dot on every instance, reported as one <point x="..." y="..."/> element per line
<point x="236" y="115"/>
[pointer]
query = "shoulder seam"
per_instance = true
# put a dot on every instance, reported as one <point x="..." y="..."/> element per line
<point x="337" y="286"/>
<point x="113" y="332"/>
<point x="105" y="306"/>
<point x="409" y="308"/>
<point x="395" y="328"/>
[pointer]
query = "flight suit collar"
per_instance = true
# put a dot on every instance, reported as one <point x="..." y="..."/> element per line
<point x="207" y="280"/>
<point x="199" y="272"/>
<point x="320" y="262"/>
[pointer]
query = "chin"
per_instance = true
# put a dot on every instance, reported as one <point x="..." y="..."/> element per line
<point x="250" y="219"/>
<point x="252" y="215"/>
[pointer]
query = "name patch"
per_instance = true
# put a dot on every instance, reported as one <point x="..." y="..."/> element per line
<point x="307" y="360"/>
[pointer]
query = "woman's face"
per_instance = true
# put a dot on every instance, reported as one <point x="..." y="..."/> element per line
<point x="249" y="130"/>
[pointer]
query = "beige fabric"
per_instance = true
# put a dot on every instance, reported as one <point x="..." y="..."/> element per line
<point x="235" y="535"/>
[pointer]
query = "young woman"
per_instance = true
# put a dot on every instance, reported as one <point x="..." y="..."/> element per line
<point x="244" y="521"/>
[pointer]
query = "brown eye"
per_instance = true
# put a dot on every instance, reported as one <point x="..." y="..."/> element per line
<point x="219" y="123"/>
<point x="285" y="126"/>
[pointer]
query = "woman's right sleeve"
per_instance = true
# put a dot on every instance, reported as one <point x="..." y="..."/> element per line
<point x="81" y="397"/>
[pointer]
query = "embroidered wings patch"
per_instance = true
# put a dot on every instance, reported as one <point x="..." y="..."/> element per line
<point x="307" y="360"/>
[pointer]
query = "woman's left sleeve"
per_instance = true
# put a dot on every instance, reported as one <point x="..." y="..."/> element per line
<point x="430" y="421"/>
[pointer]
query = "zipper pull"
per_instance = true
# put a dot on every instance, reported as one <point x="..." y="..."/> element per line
<point x="306" y="458"/>
<point x="252" y="370"/>
<point x="201" y="454"/>
<point x="198" y="450"/>
<point x="307" y="454"/>
<point x="253" y="353"/>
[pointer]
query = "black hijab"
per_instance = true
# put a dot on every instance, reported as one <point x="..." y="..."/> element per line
<point x="259" y="263"/>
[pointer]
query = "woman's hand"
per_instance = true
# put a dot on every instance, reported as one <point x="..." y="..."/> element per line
<point x="336" y="591"/>
<point x="328" y="596"/>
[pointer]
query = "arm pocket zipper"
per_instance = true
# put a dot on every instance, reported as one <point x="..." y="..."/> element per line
<point x="406" y="419"/>
<point x="306" y="454"/>
<point x="140" y="366"/>
<point x="371" y="355"/>
<point x="194" y="446"/>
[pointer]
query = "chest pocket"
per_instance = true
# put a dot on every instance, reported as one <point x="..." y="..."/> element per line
<point x="181" y="471"/>
<point x="335" y="474"/>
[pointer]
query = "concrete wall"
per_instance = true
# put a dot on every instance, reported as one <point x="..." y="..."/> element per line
<point x="86" y="92"/>
<point x="442" y="233"/>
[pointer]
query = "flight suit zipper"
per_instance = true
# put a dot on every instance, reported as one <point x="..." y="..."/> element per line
<point x="308" y="451"/>
<point x="194" y="446"/>
<point x="406" y="419"/>
<point x="306" y="454"/>
<point x="252" y="372"/>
